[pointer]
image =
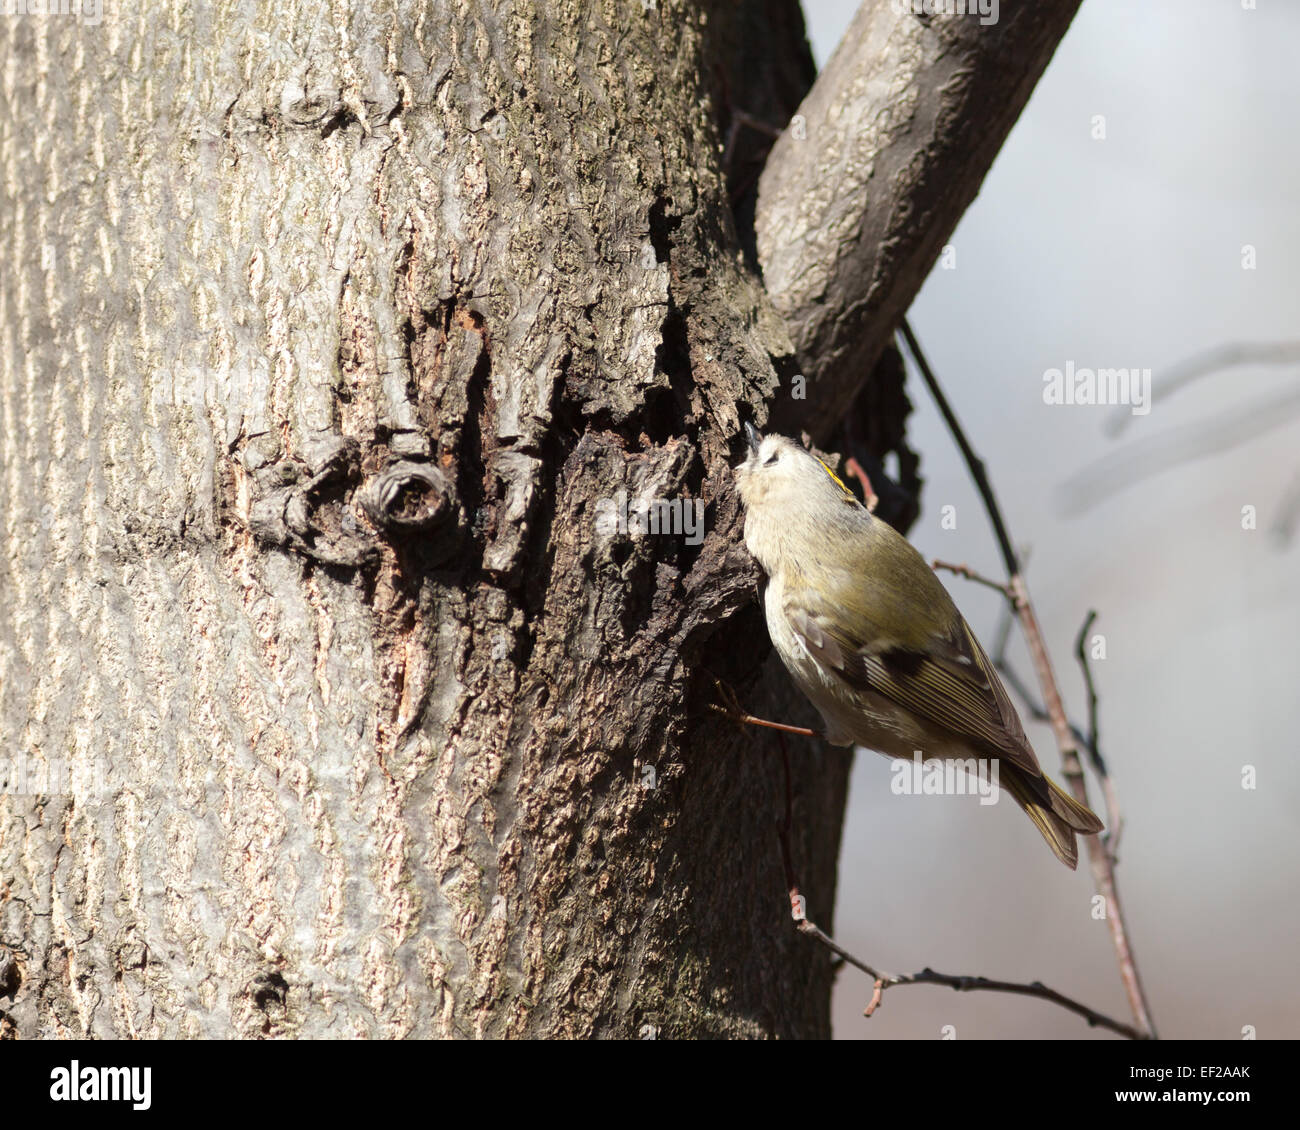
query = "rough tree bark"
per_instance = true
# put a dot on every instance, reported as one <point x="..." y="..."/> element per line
<point x="328" y="707"/>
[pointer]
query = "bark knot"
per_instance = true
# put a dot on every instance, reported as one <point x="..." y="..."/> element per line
<point x="407" y="497"/>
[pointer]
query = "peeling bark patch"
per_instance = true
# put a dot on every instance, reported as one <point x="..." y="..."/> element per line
<point x="311" y="510"/>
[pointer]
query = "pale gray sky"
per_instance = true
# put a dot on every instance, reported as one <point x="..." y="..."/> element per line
<point x="1122" y="252"/>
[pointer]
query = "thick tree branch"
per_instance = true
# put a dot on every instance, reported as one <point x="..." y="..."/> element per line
<point x="886" y="152"/>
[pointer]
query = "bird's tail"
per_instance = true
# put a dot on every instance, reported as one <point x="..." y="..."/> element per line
<point x="1056" y="814"/>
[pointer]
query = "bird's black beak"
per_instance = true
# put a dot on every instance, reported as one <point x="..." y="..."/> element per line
<point x="752" y="437"/>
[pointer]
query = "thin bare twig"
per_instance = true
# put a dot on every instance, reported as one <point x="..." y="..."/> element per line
<point x="970" y="574"/>
<point x="757" y="124"/>
<point x="1114" y="814"/>
<point x="1006" y="621"/>
<point x="1100" y="860"/>
<point x="1031" y="989"/>
<point x="1114" y="818"/>
<point x="1081" y="650"/>
<point x="882" y="980"/>
<point x="1088" y="740"/>
<point x="869" y="497"/>
<point x="1034" y="708"/>
<point x="1010" y="676"/>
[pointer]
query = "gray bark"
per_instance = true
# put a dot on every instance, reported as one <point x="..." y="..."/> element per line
<point x="328" y="708"/>
<point x="323" y="337"/>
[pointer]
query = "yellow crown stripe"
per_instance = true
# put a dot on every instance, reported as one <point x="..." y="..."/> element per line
<point x="836" y="477"/>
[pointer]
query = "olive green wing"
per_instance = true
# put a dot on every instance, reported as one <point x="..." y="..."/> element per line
<point x="938" y="672"/>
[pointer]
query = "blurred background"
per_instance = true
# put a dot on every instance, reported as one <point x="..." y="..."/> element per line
<point x="1127" y="250"/>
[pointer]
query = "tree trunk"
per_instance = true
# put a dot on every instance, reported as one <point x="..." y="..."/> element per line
<point x="334" y="709"/>
<point x="332" y="701"/>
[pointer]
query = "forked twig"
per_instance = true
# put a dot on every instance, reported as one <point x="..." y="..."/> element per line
<point x="882" y="980"/>
<point x="1114" y="818"/>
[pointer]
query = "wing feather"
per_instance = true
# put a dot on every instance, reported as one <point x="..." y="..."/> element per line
<point x="951" y="683"/>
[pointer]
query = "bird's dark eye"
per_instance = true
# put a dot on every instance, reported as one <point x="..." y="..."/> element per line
<point x="771" y="459"/>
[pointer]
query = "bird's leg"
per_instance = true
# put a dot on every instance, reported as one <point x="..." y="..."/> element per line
<point x="731" y="708"/>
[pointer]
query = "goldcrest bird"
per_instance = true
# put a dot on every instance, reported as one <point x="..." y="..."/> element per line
<point x="874" y="640"/>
